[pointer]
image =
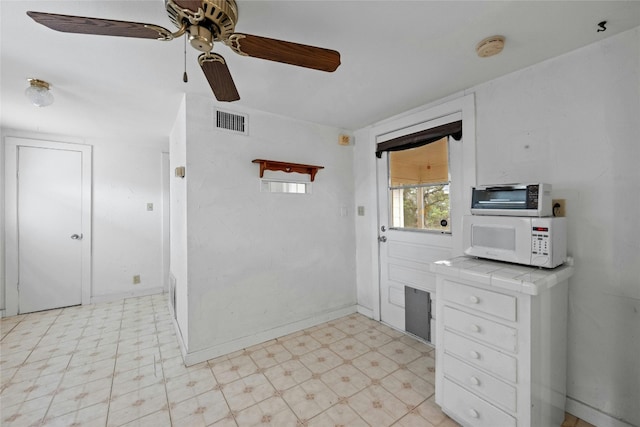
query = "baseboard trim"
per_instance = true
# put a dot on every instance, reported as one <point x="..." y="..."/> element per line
<point x="123" y="295"/>
<point x="593" y="415"/>
<point x="365" y="311"/>
<point x="238" y="344"/>
<point x="181" y="343"/>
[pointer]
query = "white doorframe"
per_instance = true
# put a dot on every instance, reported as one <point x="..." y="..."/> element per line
<point x="166" y="212"/>
<point x="464" y="105"/>
<point x="11" y="215"/>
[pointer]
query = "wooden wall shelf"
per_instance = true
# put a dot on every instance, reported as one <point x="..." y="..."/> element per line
<point x="287" y="167"/>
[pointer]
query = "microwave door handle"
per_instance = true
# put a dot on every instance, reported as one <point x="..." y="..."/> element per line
<point x="506" y="187"/>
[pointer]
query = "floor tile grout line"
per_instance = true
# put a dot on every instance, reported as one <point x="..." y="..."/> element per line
<point x="164" y="378"/>
<point x="5" y="334"/>
<point x="113" y="374"/>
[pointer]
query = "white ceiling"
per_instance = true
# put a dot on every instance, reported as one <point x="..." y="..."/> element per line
<point x="396" y="55"/>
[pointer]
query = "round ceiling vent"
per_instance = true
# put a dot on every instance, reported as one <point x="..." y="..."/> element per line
<point x="490" y="46"/>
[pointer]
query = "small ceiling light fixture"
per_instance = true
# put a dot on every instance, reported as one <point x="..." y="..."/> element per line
<point x="490" y="46"/>
<point x="38" y="93"/>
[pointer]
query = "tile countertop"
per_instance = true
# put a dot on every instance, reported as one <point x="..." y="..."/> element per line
<point x="517" y="278"/>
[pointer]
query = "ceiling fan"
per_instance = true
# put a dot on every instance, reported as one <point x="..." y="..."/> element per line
<point x="205" y="22"/>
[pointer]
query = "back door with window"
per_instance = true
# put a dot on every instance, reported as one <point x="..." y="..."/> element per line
<point x="414" y="192"/>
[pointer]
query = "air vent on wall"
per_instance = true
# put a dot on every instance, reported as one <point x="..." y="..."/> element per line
<point x="232" y="122"/>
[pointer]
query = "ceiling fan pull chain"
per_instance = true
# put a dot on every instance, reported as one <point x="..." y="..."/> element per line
<point x="184" y="76"/>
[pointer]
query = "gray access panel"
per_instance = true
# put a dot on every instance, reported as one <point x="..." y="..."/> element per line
<point x="417" y="312"/>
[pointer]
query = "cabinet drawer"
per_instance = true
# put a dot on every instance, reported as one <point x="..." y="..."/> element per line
<point x="486" y="330"/>
<point x="481" y="383"/>
<point x="481" y="356"/>
<point x="493" y="303"/>
<point x="472" y="409"/>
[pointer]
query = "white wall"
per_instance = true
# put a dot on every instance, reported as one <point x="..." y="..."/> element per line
<point x="258" y="262"/>
<point x="367" y="224"/>
<point x="178" y="218"/>
<point x="573" y="121"/>
<point x="2" y="238"/>
<point x="126" y="237"/>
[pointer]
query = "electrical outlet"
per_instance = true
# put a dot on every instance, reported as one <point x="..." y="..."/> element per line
<point x="560" y="211"/>
<point x="136" y="279"/>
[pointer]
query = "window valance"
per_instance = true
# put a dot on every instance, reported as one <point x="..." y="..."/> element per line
<point x="423" y="137"/>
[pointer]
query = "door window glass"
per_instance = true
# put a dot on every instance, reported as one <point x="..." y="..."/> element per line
<point x="419" y="181"/>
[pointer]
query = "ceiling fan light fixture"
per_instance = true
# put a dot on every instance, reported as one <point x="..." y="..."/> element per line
<point x="38" y="93"/>
<point x="490" y="46"/>
<point x="201" y="38"/>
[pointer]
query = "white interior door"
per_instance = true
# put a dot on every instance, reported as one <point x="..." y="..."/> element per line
<point x="49" y="228"/>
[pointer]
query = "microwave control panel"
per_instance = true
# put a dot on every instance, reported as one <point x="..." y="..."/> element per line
<point x="532" y="196"/>
<point x="540" y="237"/>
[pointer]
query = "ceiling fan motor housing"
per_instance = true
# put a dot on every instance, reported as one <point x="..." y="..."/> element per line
<point x="214" y="20"/>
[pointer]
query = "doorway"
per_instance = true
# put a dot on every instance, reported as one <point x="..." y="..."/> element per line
<point x="48" y="225"/>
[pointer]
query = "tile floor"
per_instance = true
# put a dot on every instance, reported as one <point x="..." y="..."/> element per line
<point x="119" y="364"/>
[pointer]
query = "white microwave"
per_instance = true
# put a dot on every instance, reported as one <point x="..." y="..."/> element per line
<point x="540" y="242"/>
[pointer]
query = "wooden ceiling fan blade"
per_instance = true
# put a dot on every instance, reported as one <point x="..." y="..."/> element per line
<point x="215" y="69"/>
<point x="102" y="27"/>
<point x="192" y="5"/>
<point x="286" y="52"/>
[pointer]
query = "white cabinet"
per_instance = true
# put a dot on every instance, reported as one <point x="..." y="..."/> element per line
<point x="501" y="343"/>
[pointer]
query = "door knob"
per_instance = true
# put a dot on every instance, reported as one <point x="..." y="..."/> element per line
<point x="382" y="239"/>
<point x="76" y="236"/>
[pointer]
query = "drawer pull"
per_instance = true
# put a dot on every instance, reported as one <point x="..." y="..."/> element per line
<point x="474" y="381"/>
<point x="474" y="328"/>
<point x="473" y="299"/>
<point x="473" y="413"/>
<point x="474" y="354"/>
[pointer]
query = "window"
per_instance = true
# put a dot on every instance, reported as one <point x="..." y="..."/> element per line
<point x="419" y="187"/>
<point x="272" y="186"/>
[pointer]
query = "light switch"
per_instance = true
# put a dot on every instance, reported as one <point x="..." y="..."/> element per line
<point x="149" y="206"/>
<point x="360" y="210"/>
